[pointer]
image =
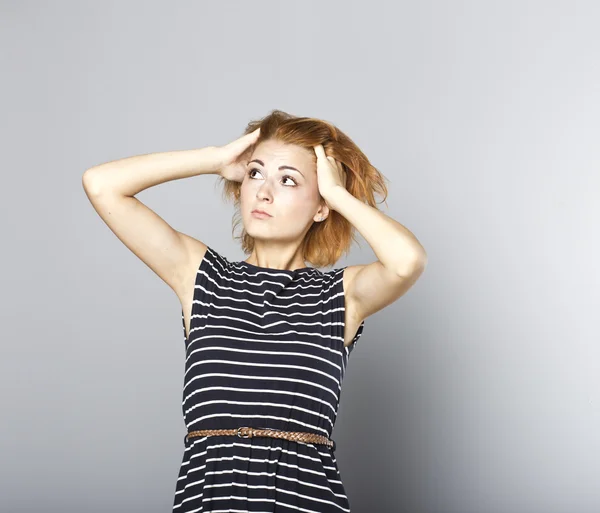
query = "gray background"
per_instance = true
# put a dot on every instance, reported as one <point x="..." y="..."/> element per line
<point x="476" y="392"/>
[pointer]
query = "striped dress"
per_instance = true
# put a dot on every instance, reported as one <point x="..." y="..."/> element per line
<point x="265" y="350"/>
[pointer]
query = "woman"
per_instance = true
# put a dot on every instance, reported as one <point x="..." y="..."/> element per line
<point x="268" y="338"/>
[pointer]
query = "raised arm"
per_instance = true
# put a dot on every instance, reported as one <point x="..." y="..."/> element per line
<point x="111" y="188"/>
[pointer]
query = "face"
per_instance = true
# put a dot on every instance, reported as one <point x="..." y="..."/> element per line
<point x="291" y="196"/>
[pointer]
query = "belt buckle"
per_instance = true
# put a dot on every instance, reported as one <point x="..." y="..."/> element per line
<point x="248" y="435"/>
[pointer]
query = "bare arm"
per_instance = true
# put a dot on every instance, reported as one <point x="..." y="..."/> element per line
<point x="111" y="187"/>
<point x="131" y="175"/>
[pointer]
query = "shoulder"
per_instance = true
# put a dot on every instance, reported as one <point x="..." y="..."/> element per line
<point x="342" y="278"/>
<point x="346" y="276"/>
<point x="350" y="273"/>
<point x="201" y="256"/>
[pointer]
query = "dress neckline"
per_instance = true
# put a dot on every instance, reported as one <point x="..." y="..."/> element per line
<point x="271" y="269"/>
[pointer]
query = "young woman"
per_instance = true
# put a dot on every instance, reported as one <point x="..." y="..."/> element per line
<point x="267" y="339"/>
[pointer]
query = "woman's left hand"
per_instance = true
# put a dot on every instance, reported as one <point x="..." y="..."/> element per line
<point x="330" y="173"/>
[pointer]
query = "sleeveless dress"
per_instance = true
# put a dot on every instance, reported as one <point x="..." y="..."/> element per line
<point x="265" y="350"/>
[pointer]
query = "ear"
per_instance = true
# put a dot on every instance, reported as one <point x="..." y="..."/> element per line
<point x="322" y="213"/>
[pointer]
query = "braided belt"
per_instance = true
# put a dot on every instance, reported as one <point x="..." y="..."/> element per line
<point x="249" y="432"/>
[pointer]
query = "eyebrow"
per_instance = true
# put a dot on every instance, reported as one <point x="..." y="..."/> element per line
<point x="280" y="167"/>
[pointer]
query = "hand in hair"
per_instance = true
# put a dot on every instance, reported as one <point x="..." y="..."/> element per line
<point x="330" y="173"/>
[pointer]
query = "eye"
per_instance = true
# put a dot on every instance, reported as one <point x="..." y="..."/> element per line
<point x="288" y="176"/>
<point x="284" y="177"/>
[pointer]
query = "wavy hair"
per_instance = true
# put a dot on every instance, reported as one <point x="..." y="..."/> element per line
<point x="326" y="241"/>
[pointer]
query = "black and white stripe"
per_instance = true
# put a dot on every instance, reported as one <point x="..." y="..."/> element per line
<point x="266" y="350"/>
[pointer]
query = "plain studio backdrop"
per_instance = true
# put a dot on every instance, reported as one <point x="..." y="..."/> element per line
<point x="476" y="392"/>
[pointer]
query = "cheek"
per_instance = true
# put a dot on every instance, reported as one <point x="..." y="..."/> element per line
<point x="300" y="202"/>
<point x="245" y="192"/>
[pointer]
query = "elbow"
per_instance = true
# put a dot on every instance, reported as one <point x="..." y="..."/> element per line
<point x="91" y="183"/>
<point x="415" y="265"/>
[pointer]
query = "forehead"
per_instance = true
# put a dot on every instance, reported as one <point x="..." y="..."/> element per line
<point x="281" y="153"/>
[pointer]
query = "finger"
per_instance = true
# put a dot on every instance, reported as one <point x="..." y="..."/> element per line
<point x="320" y="151"/>
<point x="338" y="164"/>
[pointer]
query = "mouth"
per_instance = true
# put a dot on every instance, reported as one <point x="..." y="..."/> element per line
<point x="260" y="213"/>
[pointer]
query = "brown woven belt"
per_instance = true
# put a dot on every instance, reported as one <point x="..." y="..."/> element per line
<point x="249" y="432"/>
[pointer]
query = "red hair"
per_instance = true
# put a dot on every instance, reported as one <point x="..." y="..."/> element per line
<point x="326" y="241"/>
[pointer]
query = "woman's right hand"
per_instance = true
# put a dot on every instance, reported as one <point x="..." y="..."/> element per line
<point x="230" y="157"/>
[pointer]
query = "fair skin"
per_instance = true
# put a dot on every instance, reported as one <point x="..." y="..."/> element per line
<point x="174" y="256"/>
<point x="291" y="197"/>
<point x="297" y="199"/>
<point x="294" y="201"/>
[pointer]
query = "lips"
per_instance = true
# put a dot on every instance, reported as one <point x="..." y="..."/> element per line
<point x="261" y="212"/>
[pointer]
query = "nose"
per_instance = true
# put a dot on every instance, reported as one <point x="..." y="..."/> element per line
<point x="264" y="191"/>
